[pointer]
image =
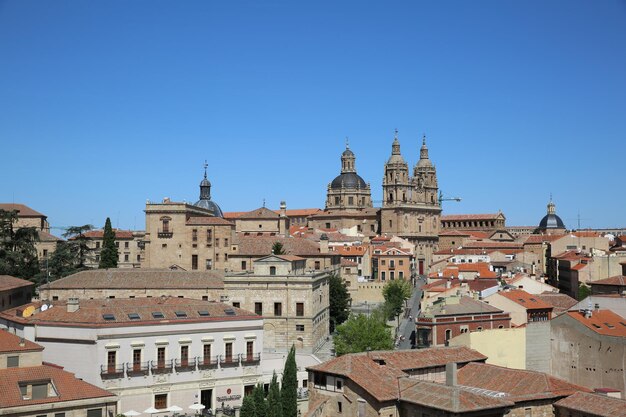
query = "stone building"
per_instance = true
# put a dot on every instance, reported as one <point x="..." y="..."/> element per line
<point x="390" y="263"/>
<point x="523" y="307"/>
<point x="129" y="243"/>
<point x="187" y="236"/>
<point x="15" y="291"/>
<point x="410" y="203"/>
<point x="474" y="222"/>
<point x="263" y="222"/>
<point x="589" y="347"/>
<point x="293" y="301"/>
<point x="30" y="388"/>
<point x="348" y="201"/>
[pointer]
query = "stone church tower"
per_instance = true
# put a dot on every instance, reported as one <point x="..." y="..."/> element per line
<point x="348" y="191"/>
<point x="411" y="208"/>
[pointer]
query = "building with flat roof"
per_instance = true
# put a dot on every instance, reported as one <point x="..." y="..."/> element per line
<point x="30" y="388"/>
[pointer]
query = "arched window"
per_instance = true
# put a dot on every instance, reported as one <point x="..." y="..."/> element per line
<point x="448" y="334"/>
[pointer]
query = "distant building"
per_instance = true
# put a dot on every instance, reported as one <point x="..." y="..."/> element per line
<point x="474" y="222"/>
<point x="14" y="292"/>
<point x="30" y="388"/>
<point x="523" y="307"/>
<point x="263" y="222"/>
<point x="391" y="263"/>
<point x="129" y="243"/>
<point x="612" y="285"/>
<point x="551" y="223"/>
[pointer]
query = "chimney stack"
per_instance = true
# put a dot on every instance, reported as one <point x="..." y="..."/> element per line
<point x="283" y="221"/>
<point x="72" y="305"/>
<point x="451" y="374"/>
<point x="324" y="243"/>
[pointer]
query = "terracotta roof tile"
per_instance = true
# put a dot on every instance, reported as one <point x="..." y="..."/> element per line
<point x="11" y="343"/>
<point x="8" y="282"/>
<point x="140" y="279"/>
<point x="23" y="210"/>
<point x="262" y="245"/>
<point x="99" y="234"/>
<point x="69" y="388"/>
<point x="536" y="239"/>
<point x="47" y="237"/>
<point x="559" y="302"/>
<point x="207" y="221"/>
<point x="619" y="280"/>
<point x="260" y="213"/>
<point x="594" y="404"/>
<point x="519" y="385"/>
<point x="487" y="216"/>
<point x="526" y="300"/>
<point x="603" y="322"/>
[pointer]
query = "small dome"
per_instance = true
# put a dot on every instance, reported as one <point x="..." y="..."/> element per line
<point x="348" y="180"/>
<point x="205" y="183"/>
<point x="424" y="163"/>
<point x="347" y="152"/>
<point x="551" y="221"/>
<point x="211" y="206"/>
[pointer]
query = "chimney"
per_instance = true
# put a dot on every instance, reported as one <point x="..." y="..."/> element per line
<point x="451" y="374"/>
<point x="324" y="243"/>
<point x="22" y="342"/>
<point x="72" y="305"/>
<point x="588" y="313"/>
<point x="283" y="221"/>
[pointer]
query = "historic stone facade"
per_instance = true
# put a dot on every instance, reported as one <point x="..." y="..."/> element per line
<point x="411" y="207"/>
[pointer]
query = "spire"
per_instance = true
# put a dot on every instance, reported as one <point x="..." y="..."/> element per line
<point x="551" y="206"/>
<point x="205" y="167"/>
<point x="205" y="185"/>
<point x="395" y="147"/>
<point x="424" y="149"/>
<point x="348" y="159"/>
<point x="347" y="143"/>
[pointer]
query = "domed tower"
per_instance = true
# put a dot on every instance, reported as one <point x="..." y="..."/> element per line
<point x="348" y="190"/>
<point x="205" y="201"/>
<point x="551" y="223"/>
<point x="425" y="188"/>
<point x="396" y="182"/>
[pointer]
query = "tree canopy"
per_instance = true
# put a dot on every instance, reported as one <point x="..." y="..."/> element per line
<point x="70" y="256"/>
<point x="248" y="407"/>
<point x="339" y="309"/>
<point x="108" y="254"/>
<point x="18" y="255"/>
<point x="278" y="249"/>
<point x="289" y="389"/>
<point x="274" y="406"/>
<point x="396" y="292"/>
<point x="361" y="333"/>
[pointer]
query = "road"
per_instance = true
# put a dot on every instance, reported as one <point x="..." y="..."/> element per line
<point x="408" y="326"/>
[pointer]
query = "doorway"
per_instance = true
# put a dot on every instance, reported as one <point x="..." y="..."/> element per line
<point x="206" y="398"/>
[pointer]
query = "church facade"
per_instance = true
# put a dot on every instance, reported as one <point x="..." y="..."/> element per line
<point x="411" y="208"/>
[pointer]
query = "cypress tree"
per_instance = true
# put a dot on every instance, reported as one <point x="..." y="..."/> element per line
<point x="289" y="390"/>
<point x="248" y="407"/>
<point x="259" y="401"/>
<point x="274" y="407"/>
<point x="108" y="254"/>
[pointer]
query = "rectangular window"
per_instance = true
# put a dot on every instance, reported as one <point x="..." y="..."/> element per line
<point x="194" y="235"/>
<point x="339" y="407"/>
<point x="184" y="355"/>
<point x="383" y="262"/>
<point x="126" y="245"/>
<point x="40" y="391"/>
<point x="97" y="245"/>
<point x="136" y="360"/>
<point x="111" y="361"/>
<point x="299" y="309"/>
<point x="258" y="308"/>
<point x="206" y="353"/>
<point x="237" y="304"/>
<point x="243" y="265"/>
<point x="217" y="242"/>
<point x="225" y="242"/>
<point x="13" y="361"/>
<point x="400" y="262"/>
<point x="94" y="412"/>
<point x="392" y="263"/>
<point x="278" y="309"/>
<point x="228" y="352"/>
<point x="209" y="237"/>
<point x="317" y="265"/>
<point x="209" y="264"/>
<point x="382" y="276"/>
<point x="59" y="414"/>
<point x="160" y="401"/>
<point x="117" y="244"/>
<point x="194" y="261"/>
<point x="126" y="257"/>
<point x="299" y="327"/>
<point x="250" y="350"/>
<point x="400" y="274"/>
<point x="392" y="275"/>
<point x="217" y="257"/>
<point x="161" y="357"/>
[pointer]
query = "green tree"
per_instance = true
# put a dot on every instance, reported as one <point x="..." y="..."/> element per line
<point x="361" y="333"/>
<point x="259" y="401"/>
<point x="18" y="256"/>
<point x="76" y="237"/>
<point x="289" y="389"/>
<point x="108" y="254"/>
<point x="396" y="292"/>
<point x="339" y="299"/>
<point x="274" y="406"/>
<point x="583" y="291"/>
<point x="248" y="407"/>
<point x="278" y="249"/>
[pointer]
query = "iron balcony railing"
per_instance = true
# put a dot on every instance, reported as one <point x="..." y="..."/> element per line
<point x="112" y="371"/>
<point x="228" y="361"/>
<point x="207" y="362"/>
<point x="137" y="368"/>
<point x="183" y="365"/>
<point x="252" y="359"/>
<point x="161" y="367"/>
<point x="165" y="233"/>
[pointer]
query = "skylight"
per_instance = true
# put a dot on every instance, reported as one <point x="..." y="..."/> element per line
<point x="133" y="316"/>
<point x="157" y="315"/>
<point x="229" y="311"/>
<point x="596" y="326"/>
<point x="203" y="313"/>
<point x="180" y="314"/>
<point x="108" y="317"/>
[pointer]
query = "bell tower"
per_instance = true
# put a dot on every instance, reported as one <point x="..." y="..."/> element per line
<point x="396" y="181"/>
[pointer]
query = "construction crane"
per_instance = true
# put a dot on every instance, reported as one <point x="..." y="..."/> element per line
<point x="442" y="198"/>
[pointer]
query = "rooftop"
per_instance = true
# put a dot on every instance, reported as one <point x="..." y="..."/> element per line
<point x="465" y="305"/>
<point x="67" y="386"/>
<point x="559" y="302"/>
<point x="12" y="343"/>
<point x="120" y="312"/>
<point x="23" y="210"/>
<point x="594" y="404"/>
<point x="140" y="279"/>
<point x="526" y="300"/>
<point x="8" y="282"/>
<point x="262" y="245"/>
<point x="487" y="216"/>
<point x="604" y="322"/>
<point x="99" y="234"/>
<point x="618" y="280"/>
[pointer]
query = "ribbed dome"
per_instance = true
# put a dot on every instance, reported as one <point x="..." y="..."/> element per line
<point x="210" y="205"/>
<point x="551" y="221"/>
<point x="348" y="180"/>
<point x="348" y="152"/>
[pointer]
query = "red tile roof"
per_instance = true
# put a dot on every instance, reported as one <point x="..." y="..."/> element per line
<point x="603" y="322"/>
<point x="290" y="213"/>
<point x="526" y="300"/>
<point x="23" y="210"/>
<point x="593" y="404"/>
<point x="493" y="245"/>
<point x="68" y="387"/>
<point x="519" y="385"/>
<point x="99" y="234"/>
<point x="262" y="245"/>
<point x="91" y="312"/>
<point x="260" y="213"/>
<point x="12" y="343"/>
<point x="47" y="237"/>
<point x="619" y="280"/>
<point x="354" y="250"/>
<point x="207" y="221"/>
<point x="488" y="216"/>
<point x="8" y="282"/>
<point x="454" y="233"/>
<point x="559" y="302"/>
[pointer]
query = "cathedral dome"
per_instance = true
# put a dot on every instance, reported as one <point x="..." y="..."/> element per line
<point x="348" y="180"/>
<point x="551" y="220"/>
<point x="205" y="201"/>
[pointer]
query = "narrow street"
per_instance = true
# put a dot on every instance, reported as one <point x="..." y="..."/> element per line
<point x="407" y="326"/>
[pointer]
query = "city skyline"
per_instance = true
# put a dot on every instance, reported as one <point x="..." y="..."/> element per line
<point x="107" y="105"/>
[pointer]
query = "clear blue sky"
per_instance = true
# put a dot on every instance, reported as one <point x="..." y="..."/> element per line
<point x="105" y="104"/>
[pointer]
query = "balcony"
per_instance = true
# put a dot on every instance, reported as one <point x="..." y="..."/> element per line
<point x="229" y="361"/>
<point x="185" y="365"/>
<point x="111" y="371"/>
<point x="165" y="234"/>
<point x="137" y="368"/>
<point x="250" y="360"/>
<point x="207" y="362"/>
<point x="161" y="367"/>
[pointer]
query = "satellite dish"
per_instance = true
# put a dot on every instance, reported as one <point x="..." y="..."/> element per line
<point x="28" y="311"/>
<point x="44" y="307"/>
